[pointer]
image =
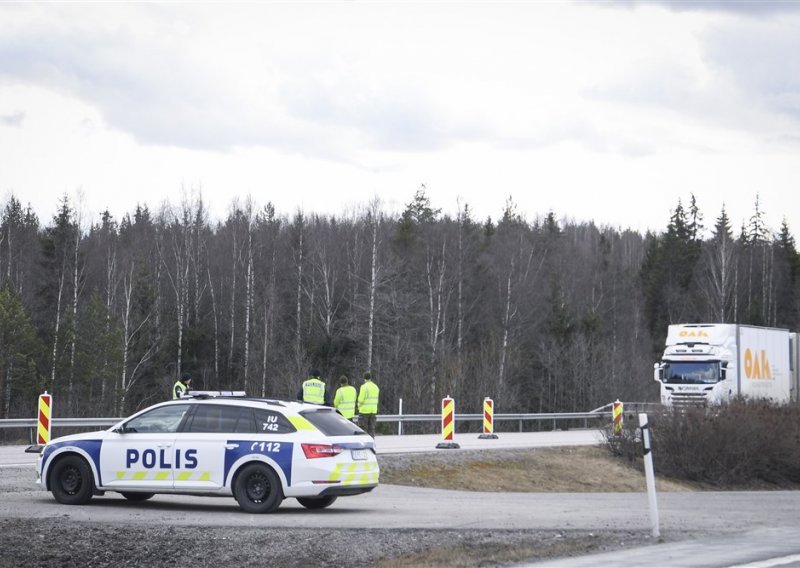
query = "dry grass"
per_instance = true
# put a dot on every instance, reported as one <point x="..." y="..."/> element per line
<point x="567" y="469"/>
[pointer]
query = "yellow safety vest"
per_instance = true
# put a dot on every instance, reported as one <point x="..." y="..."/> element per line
<point x="368" y="398"/>
<point x="179" y="390"/>
<point x="314" y="391"/>
<point x="345" y="401"/>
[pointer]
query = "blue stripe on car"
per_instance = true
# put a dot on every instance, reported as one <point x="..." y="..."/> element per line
<point x="91" y="447"/>
<point x="279" y="451"/>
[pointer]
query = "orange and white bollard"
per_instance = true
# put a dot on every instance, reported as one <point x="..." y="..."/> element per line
<point x="448" y="424"/>
<point x="488" y="420"/>
<point x="617" y="415"/>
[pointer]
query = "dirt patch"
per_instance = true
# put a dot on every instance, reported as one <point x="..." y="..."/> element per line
<point x="562" y="470"/>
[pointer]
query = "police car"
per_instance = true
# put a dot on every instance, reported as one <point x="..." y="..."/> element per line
<point x="257" y="450"/>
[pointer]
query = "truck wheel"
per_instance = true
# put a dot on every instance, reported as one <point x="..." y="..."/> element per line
<point x="71" y="481"/>
<point x="316" y="502"/>
<point x="258" y="489"/>
<point x="135" y="496"/>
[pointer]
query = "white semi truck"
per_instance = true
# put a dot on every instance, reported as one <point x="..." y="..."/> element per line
<point x="706" y="364"/>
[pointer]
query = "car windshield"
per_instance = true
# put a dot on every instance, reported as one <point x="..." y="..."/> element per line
<point x="332" y="423"/>
<point x="706" y="372"/>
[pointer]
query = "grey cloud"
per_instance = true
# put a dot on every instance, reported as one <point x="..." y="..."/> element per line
<point x="763" y="64"/>
<point x="750" y="79"/>
<point x="746" y="7"/>
<point x="161" y="98"/>
<point x="13" y="119"/>
<point x="156" y="96"/>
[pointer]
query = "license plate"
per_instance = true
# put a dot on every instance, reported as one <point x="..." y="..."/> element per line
<point x="359" y="454"/>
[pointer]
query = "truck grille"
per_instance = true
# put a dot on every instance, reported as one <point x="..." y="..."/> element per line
<point x="689" y="400"/>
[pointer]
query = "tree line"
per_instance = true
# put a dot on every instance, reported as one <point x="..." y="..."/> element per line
<point x="545" y="315"/>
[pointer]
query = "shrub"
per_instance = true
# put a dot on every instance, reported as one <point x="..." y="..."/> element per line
<point x="740" y="443"/>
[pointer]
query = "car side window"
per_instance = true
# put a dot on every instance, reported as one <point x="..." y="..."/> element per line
<point x="162" y="420"/>
<point x="268" y="422"/>
<point x="221" y="419"/>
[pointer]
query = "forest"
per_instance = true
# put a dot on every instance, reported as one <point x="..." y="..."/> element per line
<point x="542" y="315"/>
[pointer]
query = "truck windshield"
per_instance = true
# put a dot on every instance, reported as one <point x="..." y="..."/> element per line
<point x="691" y="372"/>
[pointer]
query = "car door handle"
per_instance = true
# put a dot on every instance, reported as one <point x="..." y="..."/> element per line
<point x="165" y="445"/>
<point x="231" y="446"/>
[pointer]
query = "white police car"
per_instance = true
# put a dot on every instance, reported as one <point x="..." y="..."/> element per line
<point x="260" y="451"/>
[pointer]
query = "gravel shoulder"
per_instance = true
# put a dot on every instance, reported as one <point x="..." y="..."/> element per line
<point x="60" y="541"/>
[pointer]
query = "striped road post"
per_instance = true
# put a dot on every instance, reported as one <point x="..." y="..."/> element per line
<point x="488" y="420"/>
<point x="617" y="414"/>
<point x="448" y="424"/>
<point x="45" y="413"/>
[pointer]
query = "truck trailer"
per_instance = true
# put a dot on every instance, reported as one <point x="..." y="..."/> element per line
<point x="707" y="364"/>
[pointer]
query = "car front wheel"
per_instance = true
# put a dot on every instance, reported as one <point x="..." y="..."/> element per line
<point x="71" y="481"/>
<point x="258" y="489"/>
<point x="316" y="502"/>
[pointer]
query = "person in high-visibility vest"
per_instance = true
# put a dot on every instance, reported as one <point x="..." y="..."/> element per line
<point x="368" y="404"/>
<point x="345" y="398"/>
<point x="182" y="386"/>
<point x="314" y="390"/>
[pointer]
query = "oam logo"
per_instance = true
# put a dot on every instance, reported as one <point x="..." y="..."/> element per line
<point x="756" y="366"/>
<point x="692" y="333"/>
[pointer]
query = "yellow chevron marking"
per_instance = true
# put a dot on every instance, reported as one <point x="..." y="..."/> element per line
<point x="301" y="423"/>
<point x="205" y="476"/>
<point x="163" y="474"/>
<point x="120" y="475"/>
<point x="348" y="473"/>
<point x="140" y="475"/>
<point x="184" y="476"/>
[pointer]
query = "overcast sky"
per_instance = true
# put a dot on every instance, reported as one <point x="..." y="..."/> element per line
<point x="604" y="111"/>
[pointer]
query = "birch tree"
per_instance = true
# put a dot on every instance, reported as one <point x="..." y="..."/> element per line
<point x="720" y="267"/>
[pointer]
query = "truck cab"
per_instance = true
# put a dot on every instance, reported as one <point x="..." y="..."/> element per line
<point x="698" y="365"/>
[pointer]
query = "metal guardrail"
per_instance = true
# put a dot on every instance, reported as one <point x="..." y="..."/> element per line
<point x="61" y="422"/>
<point x="602" y="413"/>
<point x="521" y="418"/>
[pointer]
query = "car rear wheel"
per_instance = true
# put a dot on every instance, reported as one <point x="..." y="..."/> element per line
<point x="135" y="496"/>
<point x="258" y="489"/>
<point x="71" y="481"/>
<point x="316" y="502"/>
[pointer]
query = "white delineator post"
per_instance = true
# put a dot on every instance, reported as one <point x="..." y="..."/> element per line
<point x="648" y="472"/>
<point x="400" y="422"/>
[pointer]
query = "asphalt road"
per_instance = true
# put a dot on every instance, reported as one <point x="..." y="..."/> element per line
<point x="753" y="528"/>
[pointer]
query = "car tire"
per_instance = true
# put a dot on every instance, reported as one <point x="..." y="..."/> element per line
<point x="136" y="496"/>
<point x="258" y="489"/>
<point x="317" y="502"/>
<point x="71" y="481"/>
